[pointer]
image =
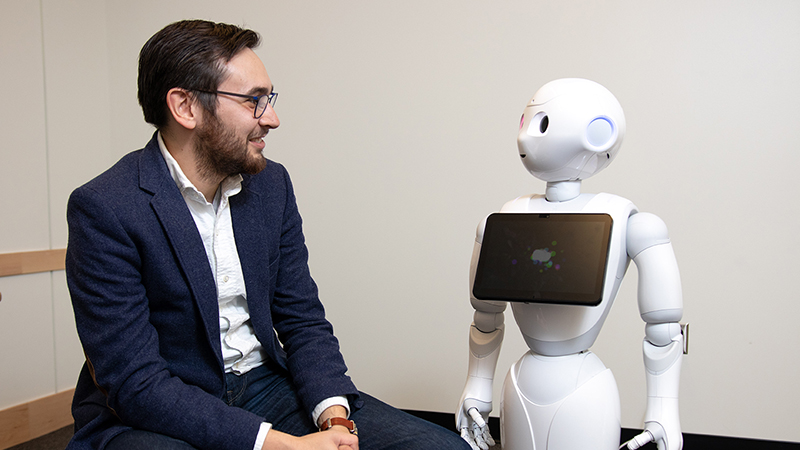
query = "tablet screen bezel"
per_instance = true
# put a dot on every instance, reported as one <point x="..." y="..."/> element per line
<point x="576" y="273"/>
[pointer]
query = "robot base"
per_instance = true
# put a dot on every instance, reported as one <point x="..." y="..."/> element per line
<point x="560" y="403"/>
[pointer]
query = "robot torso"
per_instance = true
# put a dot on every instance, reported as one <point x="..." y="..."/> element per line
<point x="561" y="329"/>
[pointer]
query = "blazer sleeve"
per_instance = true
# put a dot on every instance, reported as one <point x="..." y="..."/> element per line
<point x="112" y="313"/>
<point x="313" y="354"/>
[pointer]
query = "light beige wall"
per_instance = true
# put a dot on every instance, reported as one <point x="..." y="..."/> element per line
<point x="54" y="119"/>
<point x="26" y="312"/>
<point x="398" y="127"/>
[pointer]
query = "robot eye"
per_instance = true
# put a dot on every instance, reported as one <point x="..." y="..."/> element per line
<point x="539" y="124"/>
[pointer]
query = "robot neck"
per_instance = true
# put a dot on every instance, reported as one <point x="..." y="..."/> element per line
<point x="562" y="191"/>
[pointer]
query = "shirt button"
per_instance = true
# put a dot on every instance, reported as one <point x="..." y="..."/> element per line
<point x="225" y="278"/>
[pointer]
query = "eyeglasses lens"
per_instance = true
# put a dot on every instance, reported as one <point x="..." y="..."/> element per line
<point x="263" y="101"/>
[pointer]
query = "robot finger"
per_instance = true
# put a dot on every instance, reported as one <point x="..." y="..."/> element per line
<point x="488" y="437"/>
<point x="467" y="437"/>
<point x="478" y="436"/>
<point x="477" y="417"/>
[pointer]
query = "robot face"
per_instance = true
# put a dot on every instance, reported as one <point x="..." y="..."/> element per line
<point x="570" y="130"/>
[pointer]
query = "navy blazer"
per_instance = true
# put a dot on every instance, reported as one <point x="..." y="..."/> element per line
<point x="146" y="308"/>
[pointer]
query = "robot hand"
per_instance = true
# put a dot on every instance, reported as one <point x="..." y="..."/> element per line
<point x="663" y="364"/>
<point x="476" y="400"/>
<point x="655" y="432"/>
<point x="662" y="419"/>
<point x="666" y="438"/>
<point x="473" y="426"/>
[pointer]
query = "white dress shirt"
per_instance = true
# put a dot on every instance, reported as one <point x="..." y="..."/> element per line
<point x="241" y="349"/>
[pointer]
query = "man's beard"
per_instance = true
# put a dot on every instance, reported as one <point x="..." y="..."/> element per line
<point x="221" y="153"/>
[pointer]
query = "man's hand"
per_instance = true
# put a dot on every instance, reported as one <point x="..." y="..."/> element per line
<point x="333" y="411"/>
<point x="337" y="438"/>
<point x="338" y="411"/>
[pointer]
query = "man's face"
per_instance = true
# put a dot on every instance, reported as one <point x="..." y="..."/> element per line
<point x="231" y="141"/>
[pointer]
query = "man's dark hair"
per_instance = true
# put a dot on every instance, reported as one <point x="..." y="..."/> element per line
<point x="189" y="54"/>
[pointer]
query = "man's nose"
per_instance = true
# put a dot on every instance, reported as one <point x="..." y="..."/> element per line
<point x="269" y="118"/>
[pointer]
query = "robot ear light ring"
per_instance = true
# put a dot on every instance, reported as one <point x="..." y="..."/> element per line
<point x="559" y="395"/>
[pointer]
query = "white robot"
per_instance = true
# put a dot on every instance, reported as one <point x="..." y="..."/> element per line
<point x="559" y="259"/>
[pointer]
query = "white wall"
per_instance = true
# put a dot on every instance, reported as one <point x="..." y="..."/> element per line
<point x="54" y="123"/>
<point x="398" y="126"/>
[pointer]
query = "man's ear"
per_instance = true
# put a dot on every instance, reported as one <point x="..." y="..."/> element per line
<point x="183" y="107"/>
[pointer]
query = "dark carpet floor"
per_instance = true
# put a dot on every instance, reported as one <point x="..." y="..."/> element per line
<point x="57" y="440"/>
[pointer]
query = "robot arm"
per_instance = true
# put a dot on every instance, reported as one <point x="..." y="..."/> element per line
<point x="661" y="307"/>
<point x="485" y="340"/>
<point x="476" y="400"/>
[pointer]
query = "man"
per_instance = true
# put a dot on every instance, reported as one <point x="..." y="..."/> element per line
<point x="188" y="273"/>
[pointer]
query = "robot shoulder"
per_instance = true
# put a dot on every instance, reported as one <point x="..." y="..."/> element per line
<point x="644" y="231"/>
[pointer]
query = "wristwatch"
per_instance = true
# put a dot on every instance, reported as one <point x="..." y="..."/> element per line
<point x="349" y="424"/>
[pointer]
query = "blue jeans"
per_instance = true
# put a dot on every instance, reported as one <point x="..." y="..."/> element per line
<point x="268" y="392"/>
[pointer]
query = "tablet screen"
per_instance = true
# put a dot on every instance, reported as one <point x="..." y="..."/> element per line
<point x="543" y="258"/>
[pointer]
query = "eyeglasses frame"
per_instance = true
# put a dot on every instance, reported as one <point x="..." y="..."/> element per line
<point x="271" y="99"/>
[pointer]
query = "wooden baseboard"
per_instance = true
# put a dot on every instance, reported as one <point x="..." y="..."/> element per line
<point x="30" y="420"/>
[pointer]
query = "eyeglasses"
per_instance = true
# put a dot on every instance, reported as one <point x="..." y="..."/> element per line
<point x="261" y="101"/>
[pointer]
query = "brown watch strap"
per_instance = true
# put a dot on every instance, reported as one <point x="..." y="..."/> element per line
<point x="349" y="424"/>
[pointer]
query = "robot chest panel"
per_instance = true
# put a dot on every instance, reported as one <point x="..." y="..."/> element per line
<point x="558" y="328"/>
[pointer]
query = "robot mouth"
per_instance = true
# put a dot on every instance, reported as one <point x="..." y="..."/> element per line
<point x="522" y="155"/>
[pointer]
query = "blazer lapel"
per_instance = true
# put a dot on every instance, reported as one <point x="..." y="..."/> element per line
<point x="249" y="230"/>
<point x="181" y="231"/>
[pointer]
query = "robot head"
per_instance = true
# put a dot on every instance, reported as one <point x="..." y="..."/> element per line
<point x="571" y="129"/>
